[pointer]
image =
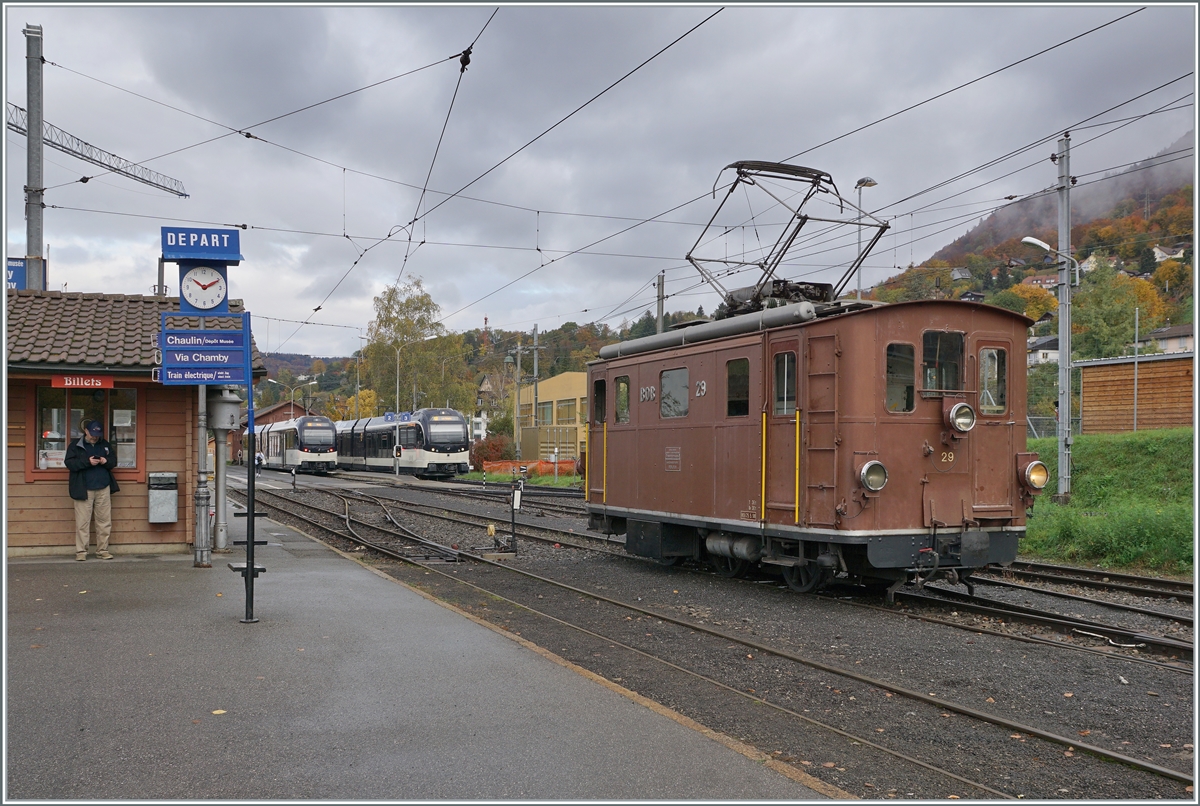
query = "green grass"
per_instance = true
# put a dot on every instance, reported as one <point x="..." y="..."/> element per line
<point x="1131" y="503"/>
<point x="564" y="479"/>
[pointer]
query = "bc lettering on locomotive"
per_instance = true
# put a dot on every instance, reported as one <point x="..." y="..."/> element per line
<point x="880" y="443"/>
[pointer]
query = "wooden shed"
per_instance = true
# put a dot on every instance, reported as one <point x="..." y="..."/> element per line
<point x="1164" y="392"/>
<point x="78" y="356"/>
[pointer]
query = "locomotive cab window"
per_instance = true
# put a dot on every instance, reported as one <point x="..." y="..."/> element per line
<point x="941" y="361"/>
<point x="993" y="377"/>
<point x="623" y="399"/>
<point x="673" y="402"/>
<point x="598" y="393"/>
<point x="737" y="387"/>
<point x="901" y="377"/>
<point x="785" y="384"/>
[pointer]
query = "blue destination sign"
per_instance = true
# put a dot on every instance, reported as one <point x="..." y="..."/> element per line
<point x="203" y="338"/>
<point x="191" y="243"/>
<point x="187" y="358"/>
<point x="199" y="376"/>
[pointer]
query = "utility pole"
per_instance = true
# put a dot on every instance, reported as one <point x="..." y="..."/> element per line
<point x="517" y="401"/>
<point x="1064" y="320"/>
<point x="33" y="158"/>
<point x="536" y="428"/>
<point x="662" y="279"/>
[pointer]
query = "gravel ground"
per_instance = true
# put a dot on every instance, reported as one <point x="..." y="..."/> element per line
<point x="1129" y="708"/>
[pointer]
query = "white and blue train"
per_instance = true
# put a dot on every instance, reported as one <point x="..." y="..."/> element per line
<point x="433" y="444"/>
<point x="307" y="444"/>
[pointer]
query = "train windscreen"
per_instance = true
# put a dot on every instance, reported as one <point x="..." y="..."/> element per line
<point x="446" y="433"/>
<point x="317" y="436"/>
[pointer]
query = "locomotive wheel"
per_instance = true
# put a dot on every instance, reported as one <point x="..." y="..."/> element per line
<point x="670" y="562"/>
<point x="730" y="567"/>
<point x="805" y="578"/>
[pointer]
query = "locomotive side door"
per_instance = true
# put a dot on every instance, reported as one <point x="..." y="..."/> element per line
<point x="783" y="447"/>
<point x="993" y="435"/>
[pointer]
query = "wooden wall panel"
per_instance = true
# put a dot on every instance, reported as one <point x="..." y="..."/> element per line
<point x="41" y="514"/>
<point x="1164" y="396"/>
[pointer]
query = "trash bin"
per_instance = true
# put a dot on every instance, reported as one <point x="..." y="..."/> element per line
<point x="164" y="498"/>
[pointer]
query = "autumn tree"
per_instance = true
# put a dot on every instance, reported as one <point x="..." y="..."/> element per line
<point x="1038" y="301"/>
<point x="1103" y="313"/>
<point x="406" y="335"/>
<point x="338" y="407"/>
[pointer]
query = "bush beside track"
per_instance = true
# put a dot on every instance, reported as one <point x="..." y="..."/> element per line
<point x="1131" y="502"/>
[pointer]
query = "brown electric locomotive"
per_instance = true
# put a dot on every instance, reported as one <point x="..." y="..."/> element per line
<point x="882" y="442"/>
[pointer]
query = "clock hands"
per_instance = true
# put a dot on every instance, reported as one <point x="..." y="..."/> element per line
<point x="206" y="287"/>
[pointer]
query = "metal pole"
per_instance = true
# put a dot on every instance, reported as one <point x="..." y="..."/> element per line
<point x="1136" y="316"/>
<point x="249" y="572"/>
<point x="662" y="279"/>
<point x="160" y="290"/>
<point x="202" y="546"/>
<point x="1064" y="320"/>
<point x="33" y="158"/>
<point x="858" y="274"/>
<point x="221" y="543"/>
<point x="517" y="402"/>
<point x="536" y="426"/>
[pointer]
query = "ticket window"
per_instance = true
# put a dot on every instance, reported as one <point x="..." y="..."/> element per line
<point x="62" y="412"/>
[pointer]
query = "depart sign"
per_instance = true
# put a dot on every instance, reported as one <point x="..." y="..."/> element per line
<point x="192" y="243"/>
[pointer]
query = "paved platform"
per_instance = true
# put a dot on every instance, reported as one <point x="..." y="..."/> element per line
<point x="134" y="678"/>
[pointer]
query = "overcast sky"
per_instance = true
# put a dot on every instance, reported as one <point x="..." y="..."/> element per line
<point x="322" y="188"/>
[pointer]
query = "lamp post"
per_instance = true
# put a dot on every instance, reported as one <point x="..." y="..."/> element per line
<point x="865" y="182"/>
<point x="1064" y="365"/>
<point x="357" y="377"/>
<point x="292" y="393"/>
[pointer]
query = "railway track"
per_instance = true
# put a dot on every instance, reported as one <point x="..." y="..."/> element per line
<point x="1098" y="580"/>
<point x="523" y="597"/>
<point x="1117" y="637"/>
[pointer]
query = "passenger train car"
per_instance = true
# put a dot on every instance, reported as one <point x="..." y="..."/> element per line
<point x="434" y="444"/>
<point x="880" y="442"/>
<point x="305" y="444"/>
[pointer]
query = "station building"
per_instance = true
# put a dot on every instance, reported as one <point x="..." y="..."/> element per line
<point x="560" y="413"/>
<point x="72" y="357"/>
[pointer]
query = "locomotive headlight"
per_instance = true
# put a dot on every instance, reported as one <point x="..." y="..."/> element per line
<point x="1036" y="475"/>
<point x="873" y="476"/>
<point x="962" y="417"/>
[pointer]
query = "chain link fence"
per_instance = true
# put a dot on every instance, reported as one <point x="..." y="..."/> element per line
<point x="1038" y="427"/>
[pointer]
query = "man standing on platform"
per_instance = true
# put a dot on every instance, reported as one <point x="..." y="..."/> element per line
<point x="91" y="461"/>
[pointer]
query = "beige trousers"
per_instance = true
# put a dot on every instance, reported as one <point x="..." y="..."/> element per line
<point x="98" y="504"/>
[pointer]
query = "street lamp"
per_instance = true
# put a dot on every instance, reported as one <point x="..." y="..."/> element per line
<point x="357" y="377"/>
<point x="1064" y="365"/>
<point x="865" y="182"/>
<point x="292" y="393"/>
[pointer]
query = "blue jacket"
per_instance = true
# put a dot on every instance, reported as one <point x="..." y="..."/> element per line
<point x="77" y="462"/>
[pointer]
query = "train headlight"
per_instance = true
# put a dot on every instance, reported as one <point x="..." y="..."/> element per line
<point x="873" y="476"/>
<point x="1036" y="475"/>
<point x="961" y="417"/>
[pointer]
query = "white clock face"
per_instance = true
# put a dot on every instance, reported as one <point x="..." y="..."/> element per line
<point x="203" y="287"/>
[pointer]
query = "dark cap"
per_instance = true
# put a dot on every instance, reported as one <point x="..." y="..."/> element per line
<point x="94" y="428"/>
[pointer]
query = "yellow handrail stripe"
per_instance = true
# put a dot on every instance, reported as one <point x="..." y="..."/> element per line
<point x="604" y="481"/>
<point x="762" y="501"/>
<point x="587" y="458"/>
<point x="797" y="465"/>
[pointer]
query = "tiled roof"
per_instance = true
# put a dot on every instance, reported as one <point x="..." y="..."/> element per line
<point x="1170" y="332"/>
<point x="105" y="331"/>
